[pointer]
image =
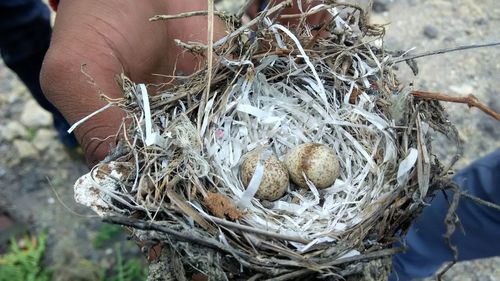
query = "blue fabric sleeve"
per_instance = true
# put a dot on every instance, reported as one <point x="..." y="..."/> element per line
<point x="427" y="250"/>
<point x="25" y="33"/>
<point x="24" y="28"/>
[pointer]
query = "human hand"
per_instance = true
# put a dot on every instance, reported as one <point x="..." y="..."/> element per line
<point x="110" y="37"/>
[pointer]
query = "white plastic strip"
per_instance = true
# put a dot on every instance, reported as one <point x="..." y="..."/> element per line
<point x="252" y="188"/>
<point x="150" y="137"/>
<point x="406" y="165"/>
<point x="70" y="130"/>
<point x="321" y="91"/>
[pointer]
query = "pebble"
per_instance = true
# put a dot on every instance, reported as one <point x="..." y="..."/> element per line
<point x="44" y="139"/>
<point x="431" y="32"/>
<point x="380" y="6"/>
<point x="25" y="150"/>
<point x="33" y="116"/>
<point x="13" y="130"/>
<point x="108" y="251"/>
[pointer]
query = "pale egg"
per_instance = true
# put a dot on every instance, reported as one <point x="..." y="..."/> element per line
<point x="275" y="180"/>
<point x="318" y="162"/>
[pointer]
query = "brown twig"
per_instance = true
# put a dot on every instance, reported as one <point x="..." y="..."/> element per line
<point x="470" y="100"/>
<point x="185" y="15"/>
<point x="316" y="36"/>
<point x="480" y="201"/>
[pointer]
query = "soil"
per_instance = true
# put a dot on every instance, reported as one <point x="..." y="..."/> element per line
<point x="37" y="173"/>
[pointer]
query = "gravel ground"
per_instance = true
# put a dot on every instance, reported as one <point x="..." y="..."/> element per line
<point x="33" y="165"/>
<point x="36" y="178"/>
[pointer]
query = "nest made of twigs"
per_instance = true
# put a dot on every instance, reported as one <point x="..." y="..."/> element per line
<point x="274" y="87"/>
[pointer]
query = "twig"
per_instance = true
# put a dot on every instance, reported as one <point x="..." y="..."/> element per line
<point x="294" y="275"/>
<point x="450" y="221"/>
<point x="445" y="50"/>
<point x="210" y="40"/>
<point x="316" y="36"/>
<point x="176" y="235"/>
<point x="255" y="277"/>
<point x="256" y="230"/>
<point x="185" y="15"/>
<point x="189" y="237"/>
<point x="51" y="185"/>
<point x="306" y="14"/>
<point x="195" y="47"/>
<point x="369" y="256"/>
<point x="470" y="100"/>
<point x="480" y="201"/>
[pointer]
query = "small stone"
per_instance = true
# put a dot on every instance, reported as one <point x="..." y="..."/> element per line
<point x="25" y="150"/>
<point x="44" y="138"/>
<point x="431" y="32"/>
<point x="380" y="6"/>
<point x="33" y="116"/>
<point x="13" y="130"/>
<point x="481" y="21"/>
<point x="378" y="19"/>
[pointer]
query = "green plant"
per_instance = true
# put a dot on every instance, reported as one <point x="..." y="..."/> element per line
<point x="130" y="270"/>
<point x="107" y="232"/>
<point x="24" y="263"/>
<point x="31" y="133"/>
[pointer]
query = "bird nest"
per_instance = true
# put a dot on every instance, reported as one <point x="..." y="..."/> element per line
<point x="175" y="178"/>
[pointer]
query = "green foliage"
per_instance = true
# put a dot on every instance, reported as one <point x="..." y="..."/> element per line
<point x="25" y="263"/>
<point x="130" y="270"/>
<point x="108" y="232"/>
<point x="31" y="133"/>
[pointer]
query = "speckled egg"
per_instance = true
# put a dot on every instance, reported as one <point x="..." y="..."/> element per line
<point x="274" y="181"/>
<point x="317" y="161"/>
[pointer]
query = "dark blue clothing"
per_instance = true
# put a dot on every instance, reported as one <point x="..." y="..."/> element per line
<point x="427" y="249"/>
<point x="24" y="39"/>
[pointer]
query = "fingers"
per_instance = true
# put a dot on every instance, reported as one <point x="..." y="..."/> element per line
<point x="109" y="37"/>
<point x="77" y="95"/>
<point x="315" y="19"/>
<point x="79" y="66"/>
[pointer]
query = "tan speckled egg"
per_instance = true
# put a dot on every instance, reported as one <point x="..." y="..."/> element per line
<point x="317" y="161"/>
<point x="275" y="180"/>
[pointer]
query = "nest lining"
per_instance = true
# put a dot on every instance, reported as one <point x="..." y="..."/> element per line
<point x="274" y="89"/>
